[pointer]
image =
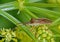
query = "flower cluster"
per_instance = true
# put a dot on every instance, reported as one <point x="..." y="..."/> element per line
<point x="7" y="35"/>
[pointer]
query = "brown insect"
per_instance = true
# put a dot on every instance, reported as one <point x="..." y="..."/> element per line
<point x="40" y="21"/>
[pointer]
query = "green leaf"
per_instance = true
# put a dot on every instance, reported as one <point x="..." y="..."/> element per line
<point x="55" y="26"/>
<point x="9" y="6"/>
<point x="45" y="5"/>
<point x="31" y="1"/>
<point x="45" y="12"/>
<point x="4" y="23"/>
<point x="5" y="1"/>
<point x="55" y="22"/>
<point x="30" y="13"/>
<point x="23" y="17"/>
<point x="14" y="5"/>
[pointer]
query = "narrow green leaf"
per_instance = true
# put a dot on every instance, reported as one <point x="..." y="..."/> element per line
<point x="5" y="23"/>
<point x="13" y="5"/>
<point x="32" y="1"/>
<point x="55" y="26"/>
<point x="30" y="13"/>
<point x="55" y="22"/>
<point x="45" y="5"/>
<point x="56" y="35"/>
<point x="9" y="6"/>
<point x="45" y="12"/>
<point x="23" y="17"/>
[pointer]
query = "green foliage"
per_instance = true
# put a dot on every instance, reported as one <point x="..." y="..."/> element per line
<point x="16" y="12"/>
